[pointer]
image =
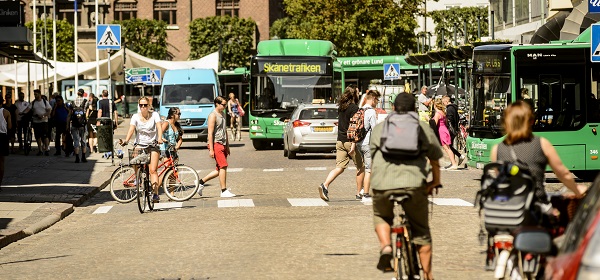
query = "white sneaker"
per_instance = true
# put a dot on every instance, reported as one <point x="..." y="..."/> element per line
<point x="453" y="167"/>
<point x="362" y="191"/>
<point x="227" y="193"/>
<point x="367" y="199"/>
<point x="200" y="190"/>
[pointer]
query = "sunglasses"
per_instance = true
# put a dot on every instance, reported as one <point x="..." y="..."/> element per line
<point x="143" y="105"/>
<point x="224" y="104"/>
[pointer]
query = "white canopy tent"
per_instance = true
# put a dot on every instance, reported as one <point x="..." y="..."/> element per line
<point x="11" y="74"/>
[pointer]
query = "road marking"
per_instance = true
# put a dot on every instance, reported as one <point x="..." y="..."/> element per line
<point x="450" y="202"/>
<point x="235" y="169"/>
<point x="273" y="170"/>
<point x="235" y="203"/>
<point x="307" y="202"/>
<point x="167" y="205"/>
<point x="102" y="210"/>
<point x="315" y="168"/>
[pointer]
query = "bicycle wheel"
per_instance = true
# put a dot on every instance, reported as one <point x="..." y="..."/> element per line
<point x="181" y="182"/>
<point x="142" y="191"/>
<point x="28" y="139"/>
<point x="403" y="266"/>
<point x="122" y="184"/>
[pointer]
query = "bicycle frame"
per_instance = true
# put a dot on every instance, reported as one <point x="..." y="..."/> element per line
<point x="404" y="252"/>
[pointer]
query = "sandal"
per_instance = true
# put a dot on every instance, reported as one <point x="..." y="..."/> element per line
<point x="385" y="260"/>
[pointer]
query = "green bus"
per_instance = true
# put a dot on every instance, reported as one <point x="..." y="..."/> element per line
<point x="284" y="74"/>
<point x="561" y="83"/>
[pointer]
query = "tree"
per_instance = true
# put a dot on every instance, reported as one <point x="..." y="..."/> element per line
<point x="234" y="36"/>
<point x="64" y="39"/>
<point x="145" y="37"/>
<point x="454" y="19"/>
<point x="356" y="27"/>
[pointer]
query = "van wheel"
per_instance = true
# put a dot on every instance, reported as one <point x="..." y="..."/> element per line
<point x="587" y="175"/>
<point x="258" y="144"/>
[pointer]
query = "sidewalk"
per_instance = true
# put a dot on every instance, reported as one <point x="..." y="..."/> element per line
<point x="38" y="191"/>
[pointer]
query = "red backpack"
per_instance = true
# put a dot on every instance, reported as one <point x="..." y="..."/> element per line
<point x="356" y="130"/>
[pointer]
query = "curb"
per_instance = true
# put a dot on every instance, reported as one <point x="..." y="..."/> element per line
<point x="58" y="211"/>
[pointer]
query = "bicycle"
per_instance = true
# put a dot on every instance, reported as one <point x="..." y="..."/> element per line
<point x="177" y="183"/>
<point x="406" y="262"/>
<point x="28" y="138"/>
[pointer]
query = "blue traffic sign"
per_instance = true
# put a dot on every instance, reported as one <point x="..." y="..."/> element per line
<point x="154" y="78"/>
<point x="593" y="6"/>
<point x="391" y="71"/>
<point x="595" y="44"/>
<point x="137" y="79"/>
<point x="108" y="36"/>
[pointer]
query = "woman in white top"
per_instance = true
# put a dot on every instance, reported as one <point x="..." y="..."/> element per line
<point x="148" y="133"/>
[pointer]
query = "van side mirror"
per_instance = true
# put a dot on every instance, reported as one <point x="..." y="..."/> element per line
<point x="537" y="241"/>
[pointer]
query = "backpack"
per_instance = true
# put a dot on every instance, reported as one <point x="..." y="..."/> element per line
<point x="356" y="129"/>
<point x="506" y="196"/>
<point x="78" y="118"/>
<point x="401" y="136"/>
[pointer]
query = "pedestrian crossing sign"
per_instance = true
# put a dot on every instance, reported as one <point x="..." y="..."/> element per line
<point x="154" y="77"/>
<point x="595" y="45"/>
<point x="391" y="71"/>
<point x="108" y="36"/>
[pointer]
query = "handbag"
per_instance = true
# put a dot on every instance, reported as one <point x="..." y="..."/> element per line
<point x="240" y="110"/>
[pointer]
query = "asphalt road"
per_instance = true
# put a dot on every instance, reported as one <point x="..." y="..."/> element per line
<point x="277" y="228"/>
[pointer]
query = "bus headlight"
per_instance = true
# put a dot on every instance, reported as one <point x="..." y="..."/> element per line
<point x="254" y="127"/>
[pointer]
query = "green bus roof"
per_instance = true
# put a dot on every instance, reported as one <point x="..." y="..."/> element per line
<point x="296" y="47"/>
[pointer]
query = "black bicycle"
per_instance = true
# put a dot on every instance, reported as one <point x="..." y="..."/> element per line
<point x="406" y="262"/>
<point x="27" y="137"/>
<point x="140" y="158"/>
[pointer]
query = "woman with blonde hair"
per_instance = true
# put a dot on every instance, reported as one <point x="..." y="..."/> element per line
<point x="445" y="139"/>
<point x="536" y="152"/>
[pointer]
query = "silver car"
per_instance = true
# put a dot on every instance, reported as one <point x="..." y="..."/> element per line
<point x="312" y="128"/>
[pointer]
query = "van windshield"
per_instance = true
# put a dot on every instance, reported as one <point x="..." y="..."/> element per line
<point x="188" y="94"/>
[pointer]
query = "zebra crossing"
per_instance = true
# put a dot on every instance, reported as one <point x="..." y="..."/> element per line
<point x="249" y="203"/>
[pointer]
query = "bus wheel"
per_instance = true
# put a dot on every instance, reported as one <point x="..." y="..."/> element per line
<point x="258" y="144"/>
<point x="587" y="175"/>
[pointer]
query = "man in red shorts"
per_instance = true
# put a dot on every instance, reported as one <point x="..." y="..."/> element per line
<point x="218" y="145"/>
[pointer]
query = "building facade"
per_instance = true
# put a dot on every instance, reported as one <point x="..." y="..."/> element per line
<point x="177" y="13"/>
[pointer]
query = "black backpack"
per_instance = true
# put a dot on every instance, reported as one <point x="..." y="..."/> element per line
<point x="506" y="196"/>
<point x="78" y="118"/>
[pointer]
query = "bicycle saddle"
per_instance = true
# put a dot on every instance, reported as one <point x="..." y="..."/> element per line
<point x="399" y="197"/>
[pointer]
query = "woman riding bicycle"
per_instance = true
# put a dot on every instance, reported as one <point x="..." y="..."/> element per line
<point x="537" y="152"/>
<point x="148" y="132"/>
<point x="172" y="132"/>
<point x="235" y="121"/>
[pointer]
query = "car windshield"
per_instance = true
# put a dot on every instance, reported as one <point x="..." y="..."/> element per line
<point x="188" y="94"/>
<point x="318" y="113"/>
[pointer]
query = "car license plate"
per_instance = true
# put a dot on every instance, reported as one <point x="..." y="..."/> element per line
<point x="323" y="128"/>
<point x="479" y="165"/>
<point x="189" y="136"/>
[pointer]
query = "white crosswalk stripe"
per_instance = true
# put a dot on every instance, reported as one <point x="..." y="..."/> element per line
<point x="102" y="210"/>
<point x="450" y="202"/>
<point x="273" y="170"/>
<point x="315" y="168"/>
<point x="307" y="202"/>
<point x="247" y="202"/>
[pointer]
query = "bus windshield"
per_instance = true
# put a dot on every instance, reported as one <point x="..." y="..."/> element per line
<point x="188" y="94"/>
<point x="286" y="92"/>
<point x="491" y="96"/>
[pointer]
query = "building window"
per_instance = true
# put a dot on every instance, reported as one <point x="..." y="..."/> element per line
<point x="228" y="8"/>
<point x="66" y="11"/>
<point x="125" y="11"/>
<point x="166" y="11"/>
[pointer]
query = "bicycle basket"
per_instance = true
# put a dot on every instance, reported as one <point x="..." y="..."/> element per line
<point x="138" y="156"/>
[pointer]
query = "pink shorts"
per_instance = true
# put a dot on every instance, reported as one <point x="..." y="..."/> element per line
<point x="220" y="155"/>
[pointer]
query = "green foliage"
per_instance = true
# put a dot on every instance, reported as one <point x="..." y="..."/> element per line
<point x="454" y="19"/>
<point x="64" y="39"/>
<point x="279" y="28"/>
<point x="145" y="37"/>
<point x="234" y="34"/>
<point x="356" y="27"/>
